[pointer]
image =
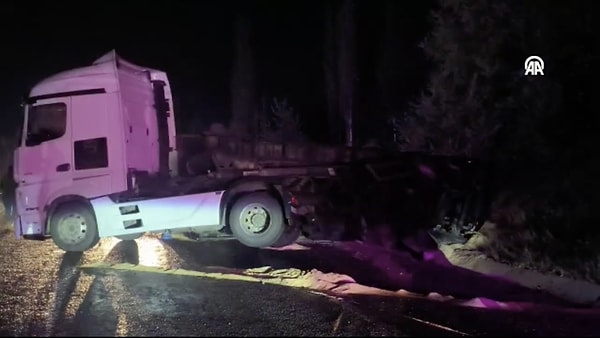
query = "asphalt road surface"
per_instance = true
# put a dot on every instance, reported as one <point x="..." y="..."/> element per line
<point x="44" y="292"/>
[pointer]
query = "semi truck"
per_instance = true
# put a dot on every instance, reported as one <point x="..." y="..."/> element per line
<point x="98" y="156"/>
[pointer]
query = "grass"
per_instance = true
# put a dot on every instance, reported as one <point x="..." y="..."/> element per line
<point x="5" y="225"/>
<point x="549" y="238"/>
<point x="542" y="251"/>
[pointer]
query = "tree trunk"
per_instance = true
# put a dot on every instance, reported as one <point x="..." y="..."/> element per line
<point x="347" y="68"/>
<point x="330" y="52"/>
<point x="386" y="60"/>
<point x="243" y="95"/>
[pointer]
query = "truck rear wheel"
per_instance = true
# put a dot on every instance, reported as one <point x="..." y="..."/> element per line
<point x="257" y="220"/>
<point x="290" y="236"/>
<point x="73" y="227"/>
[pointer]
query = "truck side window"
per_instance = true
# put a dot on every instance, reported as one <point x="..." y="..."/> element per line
<point x="46" y="122"/>
<point x="91" y="153"/>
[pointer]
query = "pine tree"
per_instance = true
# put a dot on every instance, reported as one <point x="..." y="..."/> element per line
<point x="243" y="95"/>
<point x="467" y="97"/>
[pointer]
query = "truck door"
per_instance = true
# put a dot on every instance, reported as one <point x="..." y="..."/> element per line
<point x="44" y="162"/>
<point x="91" y="140"/>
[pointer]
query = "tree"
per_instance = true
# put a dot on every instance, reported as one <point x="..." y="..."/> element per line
<point x="330" y="72"/>
<point x="243" y="91"/>
<point x="279" y="122"/>
<point x="387" y="59"/>
<point x="340" y="69"/>
<point x="465" y="102"/>
<point x="347" y="68"/>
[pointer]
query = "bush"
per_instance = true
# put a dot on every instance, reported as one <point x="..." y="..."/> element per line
<point x="550" y="225"/>
<point x="6" y="153"/>
<point x="280" y="123"/>
<point x="5" y="224"/>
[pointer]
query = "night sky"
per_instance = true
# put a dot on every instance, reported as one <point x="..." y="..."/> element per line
<point x="193" y="42"/>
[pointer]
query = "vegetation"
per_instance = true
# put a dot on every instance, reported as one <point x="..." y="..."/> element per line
<point x="539" y="131"/>
<point x="279" y="122"/>
<point x="5" y="224"/>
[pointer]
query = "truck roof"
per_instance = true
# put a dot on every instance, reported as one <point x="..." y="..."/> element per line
<point x="102" y="73"/>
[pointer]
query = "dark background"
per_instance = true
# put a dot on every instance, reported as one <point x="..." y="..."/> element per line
<point x="193" y="43"/>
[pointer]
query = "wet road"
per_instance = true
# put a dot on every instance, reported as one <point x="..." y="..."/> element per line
<point x="44" y="292"/>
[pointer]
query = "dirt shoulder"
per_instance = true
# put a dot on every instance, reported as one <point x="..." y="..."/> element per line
<point x="471" y="256"/>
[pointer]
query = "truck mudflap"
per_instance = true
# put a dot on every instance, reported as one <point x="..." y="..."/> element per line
<point x="158" y="214"/>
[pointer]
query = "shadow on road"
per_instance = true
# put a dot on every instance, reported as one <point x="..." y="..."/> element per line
<point x="232" y="254"/>
<point x="124" y="252"/>
<point x="96" y="315"/>
<point x="222" y="253"/>
<point x="68" y="275"/>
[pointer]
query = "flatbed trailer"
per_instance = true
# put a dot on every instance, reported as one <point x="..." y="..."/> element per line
<point x="99" y="157"/>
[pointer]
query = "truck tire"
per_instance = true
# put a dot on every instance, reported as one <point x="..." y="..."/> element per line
<point x="130" y="237"/>
<point x="73" y="227"/>
<point x="290" y="236"/>
<point x="256" y="220"/>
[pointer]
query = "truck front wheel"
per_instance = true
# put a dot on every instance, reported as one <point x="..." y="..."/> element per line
<point x="73" y="227"/>
<point x="257" y="220"/>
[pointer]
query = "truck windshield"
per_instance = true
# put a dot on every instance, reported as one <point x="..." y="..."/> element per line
<point x="45" y="122"/>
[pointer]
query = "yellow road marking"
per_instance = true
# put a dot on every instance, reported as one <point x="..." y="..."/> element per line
<point x="266" y="275"/>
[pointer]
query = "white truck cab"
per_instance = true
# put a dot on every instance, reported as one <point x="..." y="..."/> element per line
<point x="88" y="133"/>
<point x="85" y="130"/>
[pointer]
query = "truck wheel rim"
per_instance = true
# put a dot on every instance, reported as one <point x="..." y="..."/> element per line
<point x="72" y="228"/>
<point x="254" y="219"/>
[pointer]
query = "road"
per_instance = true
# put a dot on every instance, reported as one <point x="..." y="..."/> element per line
<point x="44" y="292"/>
